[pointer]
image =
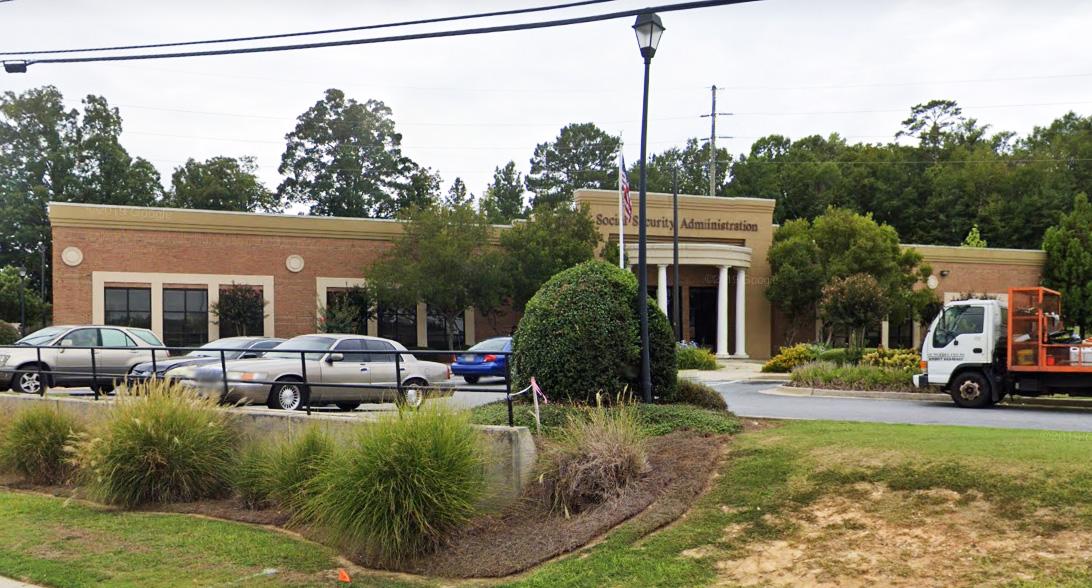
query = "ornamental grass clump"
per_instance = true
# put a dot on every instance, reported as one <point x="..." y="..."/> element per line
<point x="593" y="459"/>
<point x="159" y="443"/>
<point x="401" y="488"/>
<point x="698" y="394"/>
<point x="280" y="473"/>
<point x="692" y="357"/>
<point x="32" y="444"/>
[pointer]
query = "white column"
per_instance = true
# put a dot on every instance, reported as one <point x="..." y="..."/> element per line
<point x="885" y="334"/>
<point x="661" y="287"/>
<point x="916" y="334"/>
<point x="469" y="328"/>
<point x="722" y="313"/>
<point x="741" y="313"/>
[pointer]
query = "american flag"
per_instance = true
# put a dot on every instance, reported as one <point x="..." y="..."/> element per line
<point x="623" y="185"/>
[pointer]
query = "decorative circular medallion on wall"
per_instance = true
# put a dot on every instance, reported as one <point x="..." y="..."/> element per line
<point x="294" y="263"/>
<point x="72" y="256"/>
<point x="932" y="282"/>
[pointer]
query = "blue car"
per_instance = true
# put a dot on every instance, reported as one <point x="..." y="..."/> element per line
<point x="482" y="360"/>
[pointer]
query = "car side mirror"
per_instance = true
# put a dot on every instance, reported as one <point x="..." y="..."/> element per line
<point x="334" y="357"/>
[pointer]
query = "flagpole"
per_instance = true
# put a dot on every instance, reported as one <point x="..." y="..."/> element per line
<point x="621" y="215"/>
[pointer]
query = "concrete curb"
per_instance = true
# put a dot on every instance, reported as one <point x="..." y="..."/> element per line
<point x="922" y="396"/>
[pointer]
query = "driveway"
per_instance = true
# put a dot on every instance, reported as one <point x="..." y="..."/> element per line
<point x="757" y="400"/>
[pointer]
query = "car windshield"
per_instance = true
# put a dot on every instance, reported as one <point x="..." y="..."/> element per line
<point x="41" y="336"/>
<point x="212" y="348"/>
<point x="491" y="345"/>
<point x="147" y="336"/>
<point x="305" y="343"/>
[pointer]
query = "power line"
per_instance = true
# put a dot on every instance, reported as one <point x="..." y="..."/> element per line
<point x="19" y="66"/>
<point x="911" y="83"/>
<point x="319" y="32"/>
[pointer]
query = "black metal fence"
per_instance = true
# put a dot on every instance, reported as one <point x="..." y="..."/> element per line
<point x="101" y="380"/>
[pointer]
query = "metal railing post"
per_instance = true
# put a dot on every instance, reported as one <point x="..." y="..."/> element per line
<point x="398" y="378"/>
<point x="223" y="370"/>
<point x="508" y="388"/>
<point x="94" y="374"/>
<point x="306" y="387"/>
<point x="155" y="368"/>
<point x="41" y="379"/>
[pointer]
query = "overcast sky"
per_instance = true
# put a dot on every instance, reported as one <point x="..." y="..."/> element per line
<point x="466" y="105"/>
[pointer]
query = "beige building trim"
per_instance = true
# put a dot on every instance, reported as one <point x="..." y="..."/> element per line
<point x="694" y="203"/>
<point x="713" y="254"/>
<point x="422" y="325"/>
<point x="67" y="214"/>
<point x="980" y="255"/>
<point x="157" y="281"/>
<point x="469" y="334"/>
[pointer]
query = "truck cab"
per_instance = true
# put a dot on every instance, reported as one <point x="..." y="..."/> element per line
<point x="959" y="351"/>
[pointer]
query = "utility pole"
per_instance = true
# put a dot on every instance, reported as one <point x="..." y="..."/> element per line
<point x="712" y="116"/>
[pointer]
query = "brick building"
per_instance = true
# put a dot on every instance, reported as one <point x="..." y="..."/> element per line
<point x="165" y="268"/>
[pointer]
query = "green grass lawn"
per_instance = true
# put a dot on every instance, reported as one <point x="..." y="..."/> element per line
<point x="820" y="488"/>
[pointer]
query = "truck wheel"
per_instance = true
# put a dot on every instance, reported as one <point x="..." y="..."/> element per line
<point x="972" y="390"/>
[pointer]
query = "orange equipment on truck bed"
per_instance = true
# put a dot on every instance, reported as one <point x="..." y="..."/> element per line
<point x="1037" y="339"/>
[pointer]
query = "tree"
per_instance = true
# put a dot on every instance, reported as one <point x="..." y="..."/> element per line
<point x="582" y="156"/>
<point x="1068" y="267"/>
<point x="240" y="311"/>
<point x="345" y="158"/>
<point x="423" y="189"/>
<point x="552" y="240"/>
<point x="797" y="278"/>
<point x="974" y="238"/>
<point x="854" y="302"/>
<point x="221" y="183"/>
<point x="692" y="163"/>
<point x="444" y="259"/>
<point x="36" y="309"/>
<point x="503" y="199"/>
<point x="457" y="194"/>
<point x="348" y="311"/>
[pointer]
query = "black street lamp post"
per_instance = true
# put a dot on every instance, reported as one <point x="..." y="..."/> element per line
<point x="675" y="288"/>
<point x="649" y="28"/>
<point x="22" y="303"/>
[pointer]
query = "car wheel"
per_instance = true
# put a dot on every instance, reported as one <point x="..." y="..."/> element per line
<point x="27" y="382"/>
<point x="471" y="379"/>
<point x="286" y="396"/>
<point x="347" y="406"/>
<point x="414" y="392"/>
<point x="972" y="390"/>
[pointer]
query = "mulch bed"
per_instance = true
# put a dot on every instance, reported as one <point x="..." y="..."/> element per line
<point x="527" y="533"/>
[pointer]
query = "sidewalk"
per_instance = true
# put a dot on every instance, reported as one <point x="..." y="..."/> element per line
<point x="733" y="369"/>
<point x="9" y="583"/>
<point x="1056" y="401"/>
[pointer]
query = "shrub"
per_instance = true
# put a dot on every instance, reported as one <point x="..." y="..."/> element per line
<point x="692" y="357"/>
<point x="294" y="463"/>
<point x="33" y="444"/>
<point x="406" y="483"/>
<point x="699" y="394"/>
<point x="252" y="475"/>
<point x="854" y="377"/>
<point x="656" y="419"/>
<point x="579" y="335"/>
<point x="8" y="333"/>
<point x="159" y="444"/>
<point x="907" y="359"/>
<point x="790" y="357"/>
<point x="593" y="459"/>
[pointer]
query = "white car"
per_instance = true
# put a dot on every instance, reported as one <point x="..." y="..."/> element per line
<point x="65" y="357"/>
<point x="277" y="379"/>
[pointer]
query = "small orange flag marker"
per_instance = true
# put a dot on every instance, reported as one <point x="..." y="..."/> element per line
<point x="343" y="576"/>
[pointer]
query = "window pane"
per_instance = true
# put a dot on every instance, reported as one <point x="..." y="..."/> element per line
<point x="347" y="346"/>
<point x="174" y="300"/>
<point x="140" y="299"/>
<point x="83" y="337"/>
<point x="197" y="300"/>
<point x="114" y="338"/>
<point x="380" y="346"/>
<point x="116" y="299"/>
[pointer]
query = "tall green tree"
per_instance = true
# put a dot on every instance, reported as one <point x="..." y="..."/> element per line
<point x="797" y="278"/>
<point x="344" y="158"/>
<point x="582" y="156"/>
<point x="221" y="183"/>
<point x="1068" y="267"/>
<point x="36" y="309"/>
<point x="854" y="302"/>
<point x="551" y="240"/>
<point x="457" y="194"/>
<point x="240" y="311"/>
<point x="423" y="189"/>
<point x="503" y="198"/>
<point x="444" y="259"/>
<point x="692" y="163"/>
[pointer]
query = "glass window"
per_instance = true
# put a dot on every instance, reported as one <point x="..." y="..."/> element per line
<point x="377" y="345"/>
<point x="347" y="346"/>
<point x="267" y="344"/>
<point x="437" y="332"/>
<point x="41" y="336"/>
<point x="148" y="337"/>
<point x="492" y="345"/>
<point x="185" y="317"/>
<point x="82" y="338"/>
<point x="304" y="343"/>
<point x="958" y="320"/>
<point x="255" y="325"/>
<point x="115" y="338"/>
<point x="398" y="324"/>
<point x="128" y="307"/>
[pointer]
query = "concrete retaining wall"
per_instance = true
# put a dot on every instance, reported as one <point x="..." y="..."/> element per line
<point x="510" y="451"/>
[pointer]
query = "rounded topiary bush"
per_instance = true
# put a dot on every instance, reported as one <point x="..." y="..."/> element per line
<point x="33" y="444"/>
<point x="158" y="444"/>
<point x="580" y="335"/>
<point x="8" y="333"/>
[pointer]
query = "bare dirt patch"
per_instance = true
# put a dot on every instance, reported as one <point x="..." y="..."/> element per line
<point x="931" y="538"/>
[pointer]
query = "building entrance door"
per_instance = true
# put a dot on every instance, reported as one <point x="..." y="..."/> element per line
<point x="703" y="315"/>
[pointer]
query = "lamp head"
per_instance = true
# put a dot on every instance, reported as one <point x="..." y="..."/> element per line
<point x="649" y="29"/>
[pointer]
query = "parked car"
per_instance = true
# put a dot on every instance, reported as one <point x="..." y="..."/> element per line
<point x="239" y="348"/>
<point x="64" y="363"/>
<point x="276" y="379"/>
<point x="482" y="360"/>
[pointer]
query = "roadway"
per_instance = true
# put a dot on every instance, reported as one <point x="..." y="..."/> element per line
<point x="758" y="400"/>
